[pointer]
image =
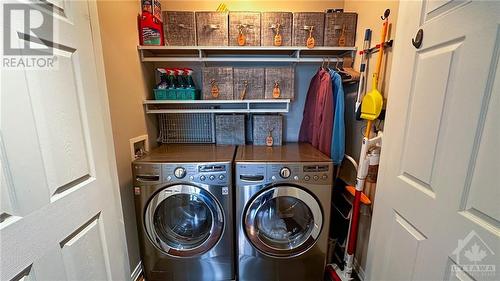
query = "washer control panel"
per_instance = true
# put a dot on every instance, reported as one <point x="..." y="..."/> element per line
<point x="147" y="174"/>
<point x="210" y="173"/>
<point x="265" y="173"/>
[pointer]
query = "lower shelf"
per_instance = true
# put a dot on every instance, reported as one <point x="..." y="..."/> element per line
<point x="217" y="106"/>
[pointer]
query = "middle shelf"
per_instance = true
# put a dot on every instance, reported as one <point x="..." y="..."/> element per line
<point x="217" y="106"/>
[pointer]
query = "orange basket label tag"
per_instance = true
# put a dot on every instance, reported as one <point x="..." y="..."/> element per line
<point x="269" y="138"/>
<point x="214" y="90"/>
<point x="278" y="40"/>
<point x="276" y="90"/>
<point x="310" y="42"/>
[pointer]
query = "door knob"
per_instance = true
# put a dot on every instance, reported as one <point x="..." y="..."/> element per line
<point x="417" y="41"/>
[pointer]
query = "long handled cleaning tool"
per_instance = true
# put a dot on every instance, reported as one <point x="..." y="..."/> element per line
<point x="362" y="72"/>
<point x="370" y="110"/>
<point x="373" y="100"/>
<point x="334" y="271"/>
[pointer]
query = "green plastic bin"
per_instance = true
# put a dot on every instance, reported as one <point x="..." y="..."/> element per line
<point x="177" y="94"/>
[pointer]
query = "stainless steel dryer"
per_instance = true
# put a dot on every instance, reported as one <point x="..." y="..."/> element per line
<point x="283" y="197"/>
<point x="184" y="198"/>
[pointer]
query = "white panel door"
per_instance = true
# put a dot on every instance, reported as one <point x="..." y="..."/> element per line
<point x="437" y="214"/>
<point x="60" y="215"/>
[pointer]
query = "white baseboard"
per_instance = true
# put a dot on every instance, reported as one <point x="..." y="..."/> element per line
<point x="360" y="271"/>
<point x="137" y="272"/>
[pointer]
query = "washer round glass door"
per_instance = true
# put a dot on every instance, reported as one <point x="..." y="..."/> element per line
<point x="183" y="220"/>
<point x="283" y="221"/>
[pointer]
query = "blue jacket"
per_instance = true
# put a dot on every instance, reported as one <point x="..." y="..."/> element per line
<point x="338" y="135"/>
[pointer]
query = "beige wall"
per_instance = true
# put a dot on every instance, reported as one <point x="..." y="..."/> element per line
<point x="128" y="81"/>
<point x="256" y="5"/>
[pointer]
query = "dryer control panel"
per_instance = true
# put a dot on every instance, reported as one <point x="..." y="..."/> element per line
<point x="209" y="174"/>
<point x="268" y="173"/>
<point x="206" y="173"/>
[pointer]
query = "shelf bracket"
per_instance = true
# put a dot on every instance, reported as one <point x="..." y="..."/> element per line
<point x="142" y="55"/>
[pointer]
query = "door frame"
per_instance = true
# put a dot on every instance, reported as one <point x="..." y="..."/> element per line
<point x="95" y="30"/>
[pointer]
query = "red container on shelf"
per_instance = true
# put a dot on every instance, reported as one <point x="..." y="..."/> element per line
<point x="152" y="7"/>
<point x="150" y="30"/>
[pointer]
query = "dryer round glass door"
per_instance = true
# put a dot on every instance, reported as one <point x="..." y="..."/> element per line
<point x="283" y="221"/>
<point x="184" y="220"/>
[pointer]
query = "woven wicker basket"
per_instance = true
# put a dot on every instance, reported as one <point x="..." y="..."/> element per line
<point x="265" y="124"/>
<point x="251" y="28"/>
<point x="269" y="21"/>
<point x="222" y="78"/>
<point x="301" y="20"/>
<point x="254" y="79"/>
<point x="179" y="28"/>
<point x="230" y="129"/>
<point x="285" y="77"/>
<point x="212" y="29"/>
<point x="334" y="23"/>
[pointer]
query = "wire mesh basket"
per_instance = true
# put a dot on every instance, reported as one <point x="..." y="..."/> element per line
<point x="186" y="128"/>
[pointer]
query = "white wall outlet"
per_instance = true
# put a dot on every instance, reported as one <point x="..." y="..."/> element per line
<point x="138" y="146"/>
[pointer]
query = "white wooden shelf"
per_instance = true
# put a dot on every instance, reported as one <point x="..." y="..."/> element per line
<point x="217" y="106"/>
<point x="242" y="54"/>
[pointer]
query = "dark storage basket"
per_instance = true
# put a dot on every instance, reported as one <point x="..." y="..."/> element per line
<point x="334" y="23"/>
<point x="263" y="124"/>
<point x="269" y="22"/>
<point x="186" y="128"/>
<point x="177" y="94"/>
<point x="250" y="22"/>
<point x="179" y="28"/>
<point x="222" y="77"/>
<point x="254" y="80"/>
<point x="212" y="29"/>
<point x="230" y="129"/>
<point x="285" y="77"/>
<point x="301" y="20"/>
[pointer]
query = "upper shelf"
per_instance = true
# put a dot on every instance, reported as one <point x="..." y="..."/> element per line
<point x="242" y="54"/>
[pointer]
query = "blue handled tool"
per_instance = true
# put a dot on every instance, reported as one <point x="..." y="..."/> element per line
<point x="362" y="70"/>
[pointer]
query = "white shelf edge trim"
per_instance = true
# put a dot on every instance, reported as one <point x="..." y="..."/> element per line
<point x="246" y="48"/>
<point x="234" y="59"/>
<point x="245" y="106"/>
<point x="286" y="54"/>
<point x="180" y="102"/>
<point x="217" y="110"/>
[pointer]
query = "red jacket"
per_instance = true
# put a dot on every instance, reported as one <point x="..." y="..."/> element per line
<point x="317" y="122"/>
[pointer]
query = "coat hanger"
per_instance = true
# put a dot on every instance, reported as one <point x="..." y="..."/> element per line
<point x="347" y="67"/>
<point x="337" y="64"/>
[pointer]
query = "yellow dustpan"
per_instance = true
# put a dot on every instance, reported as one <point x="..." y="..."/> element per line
<point x="371" y="105"/>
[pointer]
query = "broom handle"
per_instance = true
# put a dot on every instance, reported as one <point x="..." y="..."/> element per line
<point x="381" y="53"/>
<point x="368" y="129"/>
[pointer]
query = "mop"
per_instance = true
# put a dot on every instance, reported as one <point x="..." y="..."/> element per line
<point x="370" y="110"/>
